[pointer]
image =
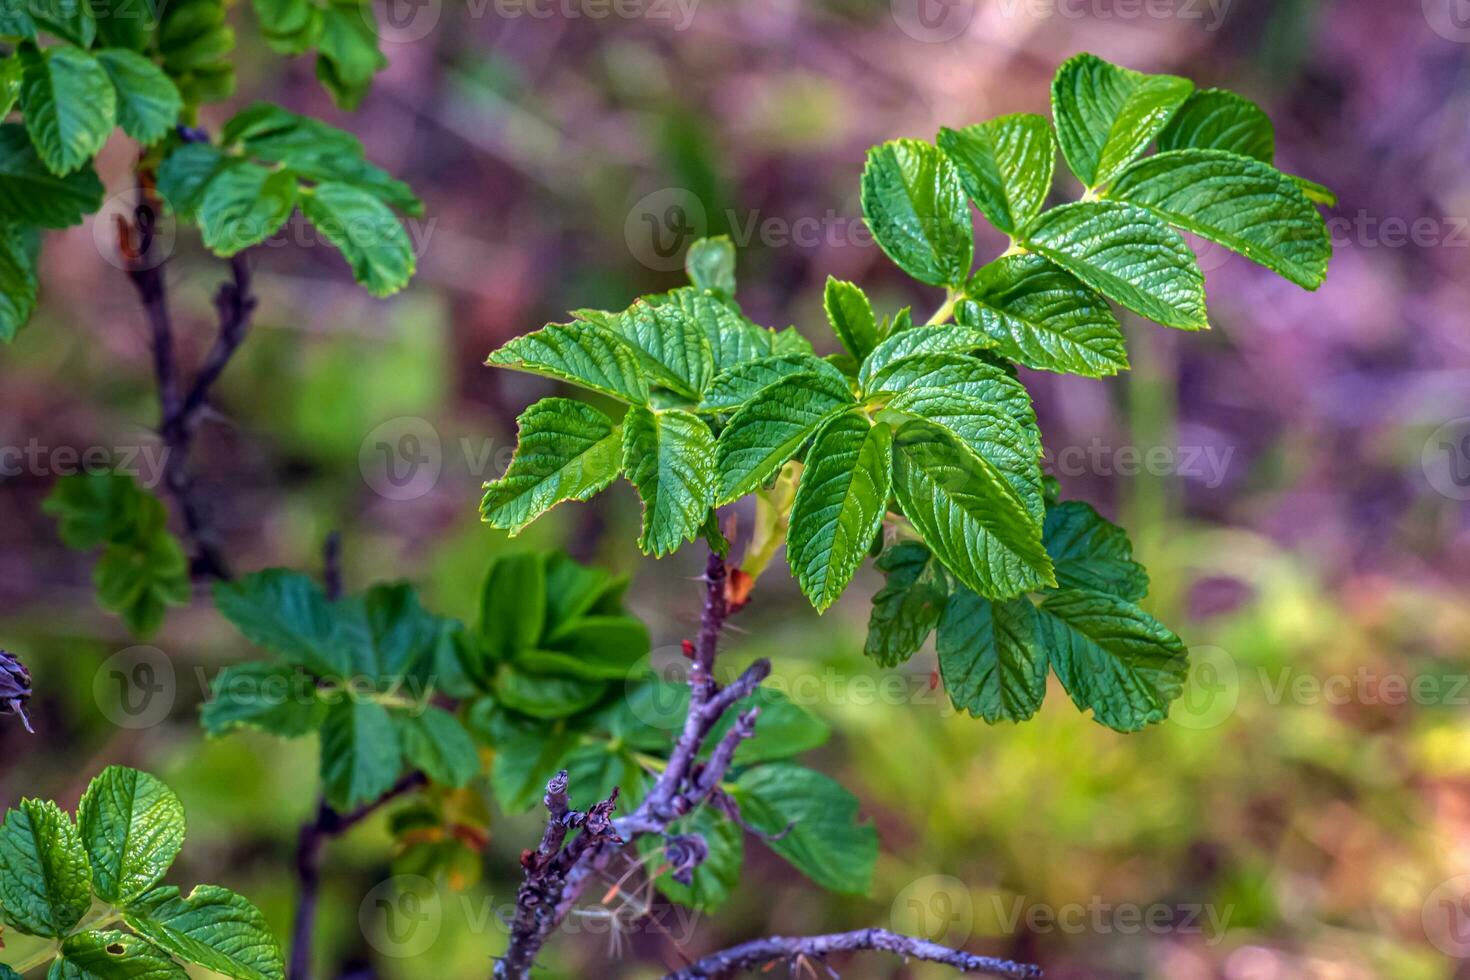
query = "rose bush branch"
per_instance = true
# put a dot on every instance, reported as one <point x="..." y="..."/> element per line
<point x="762" y="953"/>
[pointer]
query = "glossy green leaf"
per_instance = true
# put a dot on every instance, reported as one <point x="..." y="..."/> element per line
<point x="10" y="76"/>
<point x="945" y="339"/>
<point x="670" y="459"/>
<point x="31" y="194"/>
<point x="1216" y="119"/>
<point x="672" y="347"/>
<point x="435" y="742"/>
<point x="1113" y="658"/>
<point x="1046" y="318"/>
<point x="348" y="47"/>
<point x="361" y="758"/>
<point x="132" y="826"/>
<point x="1129" y="255"/>
<point x="1243" y="204"/>
<point x="823" y="838"/>
<point x="851" y="317"/>
<point x="45" y="882"/>
<point x="186" y="172"/>
<point x="18" y="286"/>
<point x="1106" y="116"/>
<point x="566" y="450"/>
<point x="972" y="376"/>
<point x="148" y="102"/>
<point x="917" y="211"/>
<point x="546" y="696"/>
<point x="113" y="955"/>
<point x="583" y="353"/>
<point x="366" y="232"/>
<point x="732" y="388"/>
<point x="907" y="608"/>
<point x="68" y="104"/>
<point x="1092" y="553"/>
<point x="242" y="204"/>
<point x="839" y="506"/>
<point x="772" y="428"/>
<point x="732" y="338"/>
<point x="265" y="696"/>
<point x="710" y="264"/>
<point x="991" y="657"/>
<point x="212" y="927"/>
<point x="287" y="613"/>
<point x="1006" y="167"/>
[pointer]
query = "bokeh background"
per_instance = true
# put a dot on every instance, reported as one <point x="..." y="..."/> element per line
<point x="1295" y="480"/>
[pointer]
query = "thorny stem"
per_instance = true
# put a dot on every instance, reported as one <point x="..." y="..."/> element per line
<point x="557" y="872"/>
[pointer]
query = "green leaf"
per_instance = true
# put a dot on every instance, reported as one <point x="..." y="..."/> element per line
<point x="944" y="339"/>
<point x="361" y="758"/>
<point x="1092" y="553"/>
<point x="985" y="428"/>
<point x="348" y="47"/>
<point x="126" y="23"/>
<point x="387" y="635"/>
<point x="70" y="20"/>
<point x="822" y="836"/>
<point x="582" y="353"/>
<point x="366" y="232"/>
<point x="737" y="385"/>
<point x="591" y="648"/>
<point x="1106" y="116"/>
<point x="671" y="346"/>
<point x="45" y="883"/>
<point x="851" y="316"/>
<point x="546" y="696"/>
<point x="1216" y="119"/>
<point x="971" y="518"/>
<point x="1006" y="167"/>
<point x="18" y="284"/>
<point x="1046" y="318"/>
<point x="772" y="428"/>
<point x="269" y="697"/>
<point x="839" y="506"/>
<point x="68" y="103"/>
<point x="1314" y="191"/>
<point x="513" y="604"/>
<point x="213" y="927"/>
<point x="714" y="880"/>
<point x="566" y="450"/>
<point x="916" y="209"/>
<point x="148" y="102"/>
<point x="790" y="341"/>
<point x="186" y="172"/>
<point x="10" y="75"/>
<point x="710" y="263"/>
<point x="138" y="579"/>
<point x="113" y="955"/>
<point x="991" y="657"/>
<point x="670" y="460"/>
<point x="784" y="729"/>
<point x="732" y="338"/>
<point x="92" y="509"/>
<point x="964" y="375"/>
<point x="132" y="826"/>
<point x="1128" y="255"/>
<point x="1243" y="204"/>
<point x="242" y="204"/>
<point x="281" y="20"/>
<point x="1113" y="657"/>
<point x="907" y="608"/>
<point x="285" y="612"/>
<point x="31" y="194"/>
<point x="434" y="741"/>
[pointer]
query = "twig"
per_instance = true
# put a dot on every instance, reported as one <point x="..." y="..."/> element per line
<point x="775" y="949"/>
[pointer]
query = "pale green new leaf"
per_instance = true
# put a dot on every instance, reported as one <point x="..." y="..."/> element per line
<point x="1217" y="119"/>
<point x="851" y="317"/>
<point x="1006" y="166"/>
<point x="243" y="204"/>
<point x="1106" y="116"/>
<point x="1243" y="204"/>
<point x="916" y="208"/>
<point x="734" y="387"/>
<point x="812" y="822"/>
<point x="45" y="882"/>
<point x="710" y="264"/>
<point x="839" y="506"/>
<point x="567" y="450"/>
<point x="113" y="955"/>
<point x="670" y="459"/>
<point x="213" y="927"/>
<point x="148" y="102"/>
<point x="947" y="338"/>
<point x="365" y="231"/>
<point x="772" y="428"/>
<point x="908" y="606"/>
<point x="1045" y="318"/>
<point x="132" y="826"/>
<point x="31" y="194"/>
<point x="10" y="75"/>
<point x="68" y="103"/>
<point x="967" y="513"/>
<point x="583" y="353"/>
<point x="1129" y="255"/>
<point x="1090" y="552"/>
<point x="1113" y="657"/>
<point x="361" y="758"/>
<point x="991" y="657"/>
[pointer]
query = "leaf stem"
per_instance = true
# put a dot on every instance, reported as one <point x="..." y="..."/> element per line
<point x="946" y="310"/>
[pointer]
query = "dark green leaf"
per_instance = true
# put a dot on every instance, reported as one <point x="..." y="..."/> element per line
<point x="991" y="657"/>
<point x="772" y="428"/>
<point x="148" y="102"/>
<point x="717" y="877"/>
<point x="18" y="284"/>
<point x="1089" y="552"/>
<point x="1215" y="119"/>
<point x="916" y="208"/>
<point x="823" y="838"/>
<point x="213" y="927"/>
<point x="582" y="353"/>
<point x="737" y="385"/>
<point x="361" y="758"/>
<point x="945" y="339"/>
<point x="266" y="696"/>
<point x="546" y="696"/>
<point x="907" y="608"/>
<point x="31" y="194"/>
<point x="45" y="883"/>
<point x="435" y="742"/>
<point x="672" y="347"/>
<point x="285" y="612"/>
<point x="513" y="604"/>
<point x="670" y="460"/>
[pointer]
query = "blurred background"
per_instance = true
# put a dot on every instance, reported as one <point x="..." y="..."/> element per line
<point x="1295" y="480"/>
